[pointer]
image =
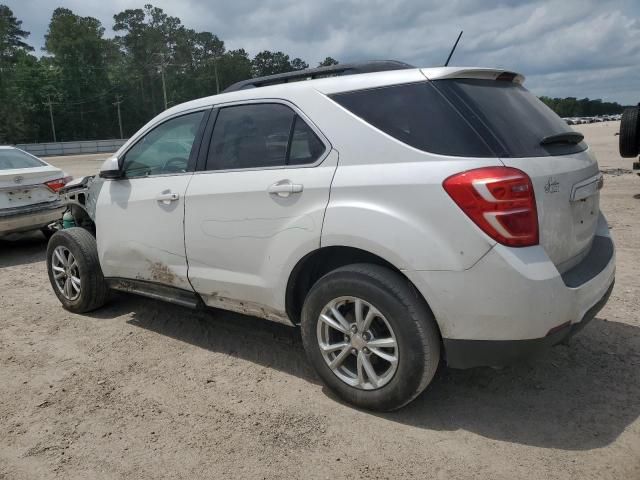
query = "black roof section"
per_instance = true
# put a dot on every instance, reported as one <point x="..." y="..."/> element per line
<point x="320" y="72"/>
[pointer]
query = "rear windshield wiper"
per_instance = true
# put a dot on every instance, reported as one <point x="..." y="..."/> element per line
<point x="564" y="137"/>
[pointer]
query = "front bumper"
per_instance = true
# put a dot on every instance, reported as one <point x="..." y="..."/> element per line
<point x="514" y="302"/>
<point x="30" y="217"/>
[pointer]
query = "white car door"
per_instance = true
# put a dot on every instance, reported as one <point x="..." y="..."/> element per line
<point x="257" y="206"/>
<point x="139" y="227"/>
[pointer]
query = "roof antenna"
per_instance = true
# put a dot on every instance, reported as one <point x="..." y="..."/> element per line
<point x="453" y="49"/>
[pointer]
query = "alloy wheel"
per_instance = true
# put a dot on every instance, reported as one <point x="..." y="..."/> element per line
<point x="66" y="273"/>
<point x="357" y="343"/>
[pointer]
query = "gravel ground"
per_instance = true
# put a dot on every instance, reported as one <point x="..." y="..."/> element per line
<point x="144" y="390"/>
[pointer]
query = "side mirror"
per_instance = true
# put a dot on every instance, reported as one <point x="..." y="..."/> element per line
<point x="110" y="169"/>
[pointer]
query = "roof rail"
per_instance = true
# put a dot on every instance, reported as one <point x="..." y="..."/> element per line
<point x="311" y="73"/>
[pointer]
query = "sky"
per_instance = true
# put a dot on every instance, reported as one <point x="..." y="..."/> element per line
<point x="579" y="48"/>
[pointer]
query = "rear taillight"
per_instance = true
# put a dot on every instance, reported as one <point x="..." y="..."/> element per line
<point x="500" y="200"/>
<point x="58" y="183"/>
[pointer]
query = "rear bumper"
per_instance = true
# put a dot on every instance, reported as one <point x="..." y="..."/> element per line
<point x="513" y="302"/>
<point x="476" y="353"/>
<point x="30" y="217"/>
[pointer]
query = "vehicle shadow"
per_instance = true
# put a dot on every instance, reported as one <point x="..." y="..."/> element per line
<point x="578" y="397"/>
<point x="259" y="341"/>
<point x="22" y="249"/>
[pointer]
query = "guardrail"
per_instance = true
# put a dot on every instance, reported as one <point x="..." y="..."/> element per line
<point x="71" y="148"/>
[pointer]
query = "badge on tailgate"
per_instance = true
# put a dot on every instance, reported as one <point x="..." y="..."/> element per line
<point x="587" y="188"/>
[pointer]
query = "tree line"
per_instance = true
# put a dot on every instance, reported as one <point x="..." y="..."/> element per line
<point x="83" y="79"/>
<point x="572" y="107"/>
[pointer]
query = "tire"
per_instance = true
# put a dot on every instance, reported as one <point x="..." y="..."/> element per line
<point x="401" y="308"/>
<point x="629" y="142"/>
<point x="92" y="290"/>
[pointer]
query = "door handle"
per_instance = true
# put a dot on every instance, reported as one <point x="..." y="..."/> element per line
<point x="167" y="198"/>
<point x="284" y="188"/>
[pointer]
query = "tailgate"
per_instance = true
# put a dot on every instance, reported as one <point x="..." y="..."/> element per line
<point x="567" y="190"/>
<point x="525" y="134"/>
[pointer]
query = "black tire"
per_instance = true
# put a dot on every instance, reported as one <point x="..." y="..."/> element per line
<point x="629" y="142"/>
<point x="93" y="289"/>
<point x="415" y="329"/>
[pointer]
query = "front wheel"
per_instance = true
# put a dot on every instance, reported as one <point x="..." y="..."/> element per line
<point x="370" y="336"/>
<point x="74" y="270"/>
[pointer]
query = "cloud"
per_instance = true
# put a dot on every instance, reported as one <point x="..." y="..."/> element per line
<point x="564" y="47"/>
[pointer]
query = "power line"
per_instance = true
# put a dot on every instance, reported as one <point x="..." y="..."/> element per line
<point x="93" y="98"/>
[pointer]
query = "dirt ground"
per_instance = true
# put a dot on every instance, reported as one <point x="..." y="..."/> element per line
<point x="147" y="390"/>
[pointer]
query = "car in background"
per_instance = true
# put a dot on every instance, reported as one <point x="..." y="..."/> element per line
<point x="28" y="192"/>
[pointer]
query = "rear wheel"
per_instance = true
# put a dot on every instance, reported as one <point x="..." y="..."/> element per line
<point x="74" y="270"/>
<point x="370" y="336"/>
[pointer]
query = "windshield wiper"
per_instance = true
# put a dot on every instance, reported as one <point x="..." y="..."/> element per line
<point x="564" y="137"/>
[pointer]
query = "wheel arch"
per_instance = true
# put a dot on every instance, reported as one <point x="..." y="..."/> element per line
<point x="321" y="261"/>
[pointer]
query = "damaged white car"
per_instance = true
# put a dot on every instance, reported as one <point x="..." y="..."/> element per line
<point x="403" y="217"/>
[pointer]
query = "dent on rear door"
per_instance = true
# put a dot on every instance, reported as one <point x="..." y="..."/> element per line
<point x="242" y="242"/>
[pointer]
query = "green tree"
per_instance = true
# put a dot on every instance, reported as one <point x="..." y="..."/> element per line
<point x="234" y="66"/>
<point x="149" y="43"/>
<point x="270" y="63"/>
<point x="13" y="48"/>
<point x="327" y="62"/>
<point x="572" y="107"/>
<point x="299" y="64"/>
<point x="208" y="51"/>
<point x="11" y="35"/>
<point x="82" y="56"/>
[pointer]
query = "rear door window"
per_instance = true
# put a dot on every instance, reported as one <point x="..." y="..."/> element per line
<point x="250" y="136"/>
<point x="261" y="135"/>
<point x="418" y="115"/>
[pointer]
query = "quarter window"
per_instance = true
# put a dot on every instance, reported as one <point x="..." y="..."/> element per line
<point x="306" y="147"/>
<point x="165" y="149"/>
<point x="418" y="115"/>
<point x="260" y="136"/>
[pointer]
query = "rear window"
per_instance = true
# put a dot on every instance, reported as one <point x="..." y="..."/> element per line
<point x="418" y="115"/>
<point x="11" y="158"/>
<point x="508" y="116"/>
<point x="462" y="117"/>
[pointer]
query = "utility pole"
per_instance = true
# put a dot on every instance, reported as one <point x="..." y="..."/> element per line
<point x="215" y="71"/>
<point x="164" y="87"/>
<point x="117" y="104"/>
<point x="53" y="127"/>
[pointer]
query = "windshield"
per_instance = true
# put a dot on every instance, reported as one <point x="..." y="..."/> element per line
<point x="12" y="158"/>
<point x="510" y="118"/>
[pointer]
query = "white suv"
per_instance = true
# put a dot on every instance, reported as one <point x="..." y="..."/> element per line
<point x="402" y="218"/>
